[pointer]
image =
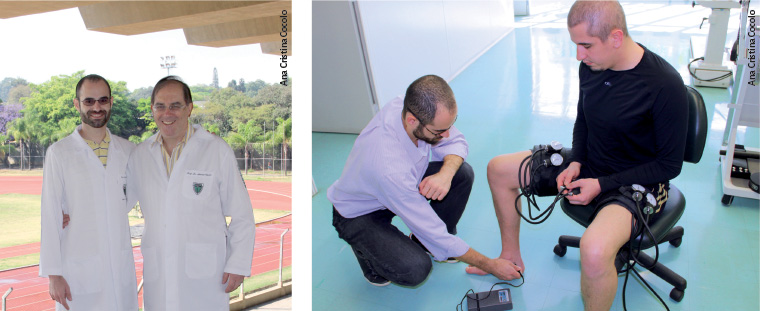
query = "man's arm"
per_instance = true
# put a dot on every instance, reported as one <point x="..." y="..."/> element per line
<point x="241" y="231"/>
<point x="436" y="186"/>
<point x="398" y="193"/>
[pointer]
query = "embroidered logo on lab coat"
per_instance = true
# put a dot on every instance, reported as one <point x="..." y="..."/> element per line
<point x="197" y="187"/>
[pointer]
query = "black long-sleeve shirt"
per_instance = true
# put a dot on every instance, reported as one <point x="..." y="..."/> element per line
<point x="631" y="124"/>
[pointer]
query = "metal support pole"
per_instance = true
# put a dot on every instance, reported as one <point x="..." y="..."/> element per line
<point x="241" y="296"/>
<point x="8" y="292"/>
<point x="282" y="236"/>
<point x="139" y="288"/>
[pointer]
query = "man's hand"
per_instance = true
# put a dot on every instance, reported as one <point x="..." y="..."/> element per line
<point x="589" y="190"/>
<point x="59" y="290"/>
<point x="66" y="219"/>
<point x="568" y="175"/>
<point x="232" y="280"/>
<point x="499" y="267"/>
<point x="436" y="186"/>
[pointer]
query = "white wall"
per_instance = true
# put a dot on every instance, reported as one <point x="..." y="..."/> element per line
<point x="341" y="96"/>
<point x="404" y="40"/>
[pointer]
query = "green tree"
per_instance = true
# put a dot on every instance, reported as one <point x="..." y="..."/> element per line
<point x="277" y="95"/>
<point x="245" y="135"/>
<point x="282" y="135"/>
<point x="252" y="88"/>
<point x="18" y="92"/>
<point x="124" y="113"/>
<point x="7" y="84"/>
<point x="140" y="138"/>
<point x="140" y="93"/>
<point x="211" y="128"/>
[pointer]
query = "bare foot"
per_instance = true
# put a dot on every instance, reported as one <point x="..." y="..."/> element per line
<point x="475" y="270"/>
<point x="516" y="259"/>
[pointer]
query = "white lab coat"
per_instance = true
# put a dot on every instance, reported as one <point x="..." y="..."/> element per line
<point x="94" y="252"/>
<point x="187" y="245"/>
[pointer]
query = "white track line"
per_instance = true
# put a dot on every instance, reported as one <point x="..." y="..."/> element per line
<point x="275" y="193"/>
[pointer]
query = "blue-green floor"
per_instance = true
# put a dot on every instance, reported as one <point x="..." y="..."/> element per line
<point x="523" y="92"/>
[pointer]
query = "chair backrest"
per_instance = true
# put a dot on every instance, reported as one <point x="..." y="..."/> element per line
<point x="696" y="134"/>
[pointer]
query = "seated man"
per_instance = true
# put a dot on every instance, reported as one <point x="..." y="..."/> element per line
<point x="388" y="174"/>
<point x="630" y="129"/>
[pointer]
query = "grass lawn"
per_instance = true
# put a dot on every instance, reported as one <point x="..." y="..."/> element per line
<point x="17" y="172"/>
<point x="19" y="219"/>
<point x="265" y="279"/>
<point x="19" y="261"/>
<point x="275" y="176"/>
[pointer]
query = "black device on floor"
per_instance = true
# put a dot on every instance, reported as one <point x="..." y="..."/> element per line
<point x="494" y="300"/>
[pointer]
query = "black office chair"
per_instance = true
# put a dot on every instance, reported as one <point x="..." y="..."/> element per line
<point x="662" y="223"/>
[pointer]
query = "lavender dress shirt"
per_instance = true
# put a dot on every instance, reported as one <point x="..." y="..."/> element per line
<point x="384" y="170"/>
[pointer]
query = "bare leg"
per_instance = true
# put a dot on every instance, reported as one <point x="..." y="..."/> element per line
<point x="599" y="245"/>
<point x="502" y="179"/>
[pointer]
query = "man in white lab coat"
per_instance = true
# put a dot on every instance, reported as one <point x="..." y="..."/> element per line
<point x="187" y="180"/>
<point x="89" y="264"/>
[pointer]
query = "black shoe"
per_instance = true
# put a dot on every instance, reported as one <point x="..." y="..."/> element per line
<point x="370" y="275"/>
<point x="377" y="280"/>
<point x="448" y="260"/>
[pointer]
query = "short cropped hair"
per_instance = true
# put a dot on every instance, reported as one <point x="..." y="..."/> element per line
<point x="424" y="95"/>
<point x="172" y="79"/>
<point x="91" y="78"/>
<point x="601" y="17"/>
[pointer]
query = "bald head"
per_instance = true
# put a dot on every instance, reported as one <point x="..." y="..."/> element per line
<point x="601" y="17"/>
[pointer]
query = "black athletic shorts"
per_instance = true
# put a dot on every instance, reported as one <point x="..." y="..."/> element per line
<point x="545" y="184"/>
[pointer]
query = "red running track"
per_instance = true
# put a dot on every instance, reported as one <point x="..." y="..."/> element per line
<point x="30" y="292"/>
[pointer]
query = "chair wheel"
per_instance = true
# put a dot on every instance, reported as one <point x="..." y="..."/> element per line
<point x="560" y="250"/>
<point x="676" y="242"/>
<point x="727" y="199"/>
<point x="676" y="295"/>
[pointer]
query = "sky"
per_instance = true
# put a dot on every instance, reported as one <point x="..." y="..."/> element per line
<point x="37" y="47"/>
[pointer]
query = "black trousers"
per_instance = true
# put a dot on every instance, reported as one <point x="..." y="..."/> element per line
<point x="382" y="249"/>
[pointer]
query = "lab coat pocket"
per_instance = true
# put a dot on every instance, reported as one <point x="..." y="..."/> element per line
<point x="197" y="185"/>
<point x="200" y="260"/>
<point x="84" y="275"/>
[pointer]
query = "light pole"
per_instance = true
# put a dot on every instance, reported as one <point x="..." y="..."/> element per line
<point x="168" y="62"/>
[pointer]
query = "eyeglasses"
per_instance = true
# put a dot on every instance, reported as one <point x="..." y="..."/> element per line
<point x="89" y="101"/>
<point x="172" y="107"/>
<point x="436" y="133"/>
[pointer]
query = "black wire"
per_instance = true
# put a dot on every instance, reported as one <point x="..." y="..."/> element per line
<point x="528" y="168"/>
<point x="630" y="266"/>
<point x="489" y="291"/>
<point x="688" y="67"/>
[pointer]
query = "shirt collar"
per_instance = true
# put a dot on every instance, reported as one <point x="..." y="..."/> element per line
<point x="397" y="123"/>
